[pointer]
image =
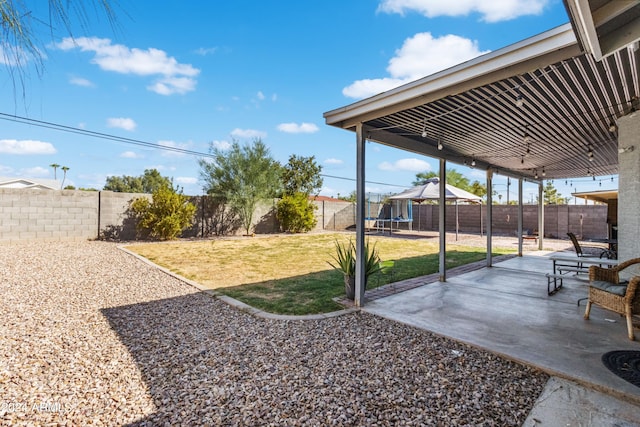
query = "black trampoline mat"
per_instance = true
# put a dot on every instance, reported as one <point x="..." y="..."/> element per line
<point x="625" y="364"/>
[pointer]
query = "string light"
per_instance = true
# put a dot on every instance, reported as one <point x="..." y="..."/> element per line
<point x="424" y="129"/>
<point x="440" y="146"/>
<point x="519" y="98"/>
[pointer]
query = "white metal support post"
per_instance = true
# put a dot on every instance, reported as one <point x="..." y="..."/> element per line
<point x="360" y="184"/>
<point x="489" y="216"/>
<point x="520" y="216"/>
<point x="442" y="221"/>
<point x="540" y="215"/>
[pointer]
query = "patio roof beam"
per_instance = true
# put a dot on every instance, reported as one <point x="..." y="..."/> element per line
<point x="429" y="148"/>
<point x="604" y="26"/>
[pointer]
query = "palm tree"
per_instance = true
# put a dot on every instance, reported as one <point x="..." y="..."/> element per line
<point x="64" y="169"/>
<point x="55" y="167"/>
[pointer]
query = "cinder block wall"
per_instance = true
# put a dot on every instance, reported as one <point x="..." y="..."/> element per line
<point x="115" y="223"/>
<point x="48" y="215"/>
<point x="78" y="215"/>
<point x="336" y="215"/>
<point x="586" y="221"/>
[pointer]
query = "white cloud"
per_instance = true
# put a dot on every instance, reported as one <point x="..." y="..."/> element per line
<point x="173" y="144"/>
<point x="369" y="87"/>
<point x="172" y="76"/>
<point x="186" y="180"/>
<point x="26" y="147"/>
<point x="79" y="81"/>
<point x="248" y="133"/>
<point x="491" y="11"/>
<point x="5" y="170"/>
<point x="260" y="95"/>
<point x="171" y="85"/>
<point x="419" y="56"/>
<point x="129" y="155"/>
<point x="411" y="165"/>
<point x="221" y="145"/>
<point x="333" y="161"/>
<point x="35" y="172"/>
<point x="121" y="123"/>
<point x="15" y="56"/>
<point x="298" y="128"/>
<point x="204" y="51"/>
<point x="162" y="168"/>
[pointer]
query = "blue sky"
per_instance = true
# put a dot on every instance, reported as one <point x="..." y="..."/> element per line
<point x="195" y="74"/>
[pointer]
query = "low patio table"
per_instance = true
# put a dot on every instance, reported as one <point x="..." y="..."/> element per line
<point x="563" y="264"/>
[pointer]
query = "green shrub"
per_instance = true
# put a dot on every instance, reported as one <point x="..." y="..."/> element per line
<point x="165" y="216"/>
<point x="296" y="213"/>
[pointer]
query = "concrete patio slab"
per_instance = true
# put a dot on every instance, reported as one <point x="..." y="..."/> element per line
<point x="505" y="309"/>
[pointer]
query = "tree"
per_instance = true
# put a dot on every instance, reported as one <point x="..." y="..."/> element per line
<point x="64" y="169"/>
<point x="152" y="180"/>
<point x="350" y="198"/>
<point x="242" y="177"/>
<point x="478" y="189"/>
<point x="148" y="182"/>
<point x="19" y="43"/>
<point x="454" y="178"/>
<point x="301" y="175"/>
<point x="55" y="167"/>
<point x="551" y="195"/>
<point x="167" y="214"/>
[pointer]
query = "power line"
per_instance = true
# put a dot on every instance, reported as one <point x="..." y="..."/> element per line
<point x="100" y="135"/>
<point x="138" y="142"/>
<point x="368" y="182"/>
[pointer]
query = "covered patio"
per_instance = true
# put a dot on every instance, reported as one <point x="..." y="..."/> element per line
<point x="559" y="105"/>
<point x="544" y="108"/>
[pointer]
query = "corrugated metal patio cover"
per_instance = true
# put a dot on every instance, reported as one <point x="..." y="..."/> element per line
<point x="540" y="109"/>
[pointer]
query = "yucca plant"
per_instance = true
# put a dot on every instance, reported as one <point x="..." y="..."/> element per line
<point x="345" y="259"/>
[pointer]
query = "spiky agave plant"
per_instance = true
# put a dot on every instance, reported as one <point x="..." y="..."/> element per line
<point x="345" y="261"/>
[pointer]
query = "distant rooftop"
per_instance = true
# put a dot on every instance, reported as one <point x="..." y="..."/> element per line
<point x="30" y="183"/>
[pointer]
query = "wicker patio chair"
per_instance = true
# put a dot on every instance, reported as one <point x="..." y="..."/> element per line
<point x="606" y="291"/>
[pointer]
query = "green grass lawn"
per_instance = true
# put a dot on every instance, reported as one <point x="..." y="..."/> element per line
<point x="290" y="274"/>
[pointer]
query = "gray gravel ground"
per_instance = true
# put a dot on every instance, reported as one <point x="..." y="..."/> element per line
<point x="91" y="335"/>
